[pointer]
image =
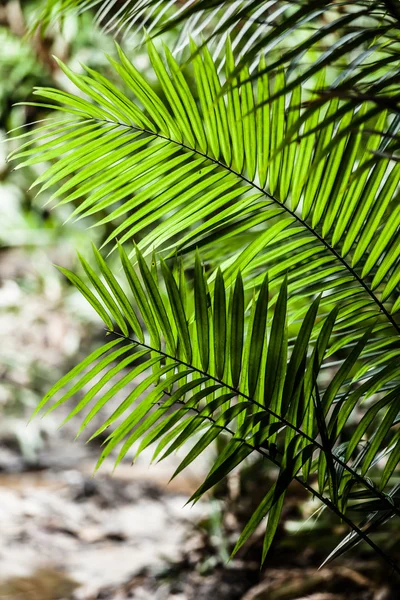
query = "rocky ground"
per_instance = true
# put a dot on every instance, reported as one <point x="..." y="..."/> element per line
<point x="65" y="534"/>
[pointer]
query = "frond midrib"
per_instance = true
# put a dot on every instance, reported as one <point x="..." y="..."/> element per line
<point x="284" y="207"/>
<point x="285" y="422"/>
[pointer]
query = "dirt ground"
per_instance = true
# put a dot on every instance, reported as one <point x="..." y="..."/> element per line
<point x="65" y="534"/>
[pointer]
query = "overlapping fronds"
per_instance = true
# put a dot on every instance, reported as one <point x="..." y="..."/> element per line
<point x="178" y="173"/>
<point x="261" y="175"/>
<point x="113" y="16"/>
<point x="212" y="366"/>
<point x="359" y="38"/>
<point x="358" y="41"/>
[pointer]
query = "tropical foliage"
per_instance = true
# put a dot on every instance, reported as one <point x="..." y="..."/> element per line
<point x="269" y="312"/>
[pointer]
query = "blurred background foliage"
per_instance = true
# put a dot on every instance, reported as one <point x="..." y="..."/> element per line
<point x="44" y="323"/>
<point x="46" y="326"/>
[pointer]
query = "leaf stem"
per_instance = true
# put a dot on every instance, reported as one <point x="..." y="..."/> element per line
<point x="343" y="464"/>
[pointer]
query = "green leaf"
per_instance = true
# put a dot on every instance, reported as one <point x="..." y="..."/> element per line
<point x="277" y="354"/>
<point x="178" y="310"/>
<point x="277" y="130"/>
<point x="234" y="112"/>
<point x="95" y="370"/>
<point x="326" y="442"/>
<point x="90" y="297"/>
<point x="187" y="100"/>
<point x="391" y="464"/>
<point x="380" y="433"/>
<point x="219" y="324"/>
<point x="258" y="337"/>
<point x="119" y="294"/>
<point x="296" y="366"/>
<point x="207" y="438"/>
<point x="156" y="301"/>
<point x="249" y="124"/>
<point x="73" y="372"/>
<point x="367" y="420"/>
<point x="262" y="123"/>
<point x="233" y="455"/>
<point x="344" y="371"/>
<point x="272" y="525"/>
<point x="170" y="92"/>
<point x="201" y="313"/>
<point x="237" y="330"/>
<point x="140" y="297"/>
<point x="133" y="421"/>
<point x="118" y="386"/>
<point x="108" y="376"/>
<point x="285" y="477"/>
<point x="105" y="296"/>
<point x="170" y="421"/>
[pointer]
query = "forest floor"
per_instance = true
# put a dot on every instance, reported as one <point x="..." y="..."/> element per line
<point x="68" y="536"/>
<point x="65" y="534"/>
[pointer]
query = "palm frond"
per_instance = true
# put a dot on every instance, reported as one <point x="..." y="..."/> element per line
<point x="291" y="33"/>
<point x="262" y="175"/>
<point x="358" y="41"/>
<point x="183" y="172"/>
<point x="199" y="387"/>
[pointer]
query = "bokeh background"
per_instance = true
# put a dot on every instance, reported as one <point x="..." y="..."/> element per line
<point x="63" y="533"/>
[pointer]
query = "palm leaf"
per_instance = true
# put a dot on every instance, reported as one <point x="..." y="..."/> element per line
<point x="142" y="159"/>
<point x="289" y="33"/>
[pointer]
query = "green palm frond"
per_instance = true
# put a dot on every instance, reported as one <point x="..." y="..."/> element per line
<point x="227" y="369"/>
<point x="185" y="172"/>
<point x="358" y="41"/>
<point x="292" y="33"/>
